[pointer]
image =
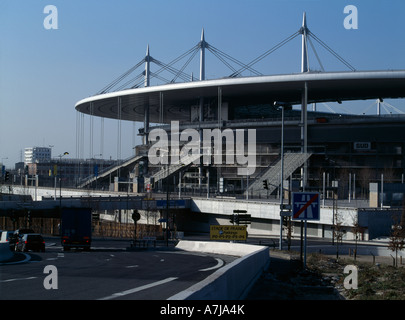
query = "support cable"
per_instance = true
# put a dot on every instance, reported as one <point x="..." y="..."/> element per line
<point x="368" y="108"/>
<point x="120" y="78"/>
<point x="171" y="69"/>
<point x="184" y="66"/>
<point x="222" y="56"/>
<point x="212" y="49"/>
<point x="323" y="44"/>
<point x="316" y="55"/>
<point x="155" y="75"/>
<point x="265" y="54"/>
<point x="223" y="60"/>
<point x="394" y="108"/>
<point x="124" y="85"/>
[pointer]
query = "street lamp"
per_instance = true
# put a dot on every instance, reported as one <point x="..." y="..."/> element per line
<point x="3" y="171"/>
<point x="60" y="179"/>
<point x="284" y="106"/>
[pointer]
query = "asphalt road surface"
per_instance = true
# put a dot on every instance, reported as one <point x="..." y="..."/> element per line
<point x="107" y="272"/>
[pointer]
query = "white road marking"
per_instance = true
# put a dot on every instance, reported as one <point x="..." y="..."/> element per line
<point x="218" y="265"/>
<point x="59" y="255"/>
<point x="134" y="266"/>
<point x="130" y="291"/>
<point x="17" y="279"/>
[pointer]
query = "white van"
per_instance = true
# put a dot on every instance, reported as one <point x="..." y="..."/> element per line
<point x="5" y="236"/>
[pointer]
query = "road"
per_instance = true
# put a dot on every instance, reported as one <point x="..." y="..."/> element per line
<point x="107" y="272"/>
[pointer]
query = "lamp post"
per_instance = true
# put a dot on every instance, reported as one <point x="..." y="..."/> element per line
<point x="96" y="169"/>
<point x="60" y="179"/>
<point x="167" y="169"/>
<point x="284" y="106"/>
<point x="3" y="169"/>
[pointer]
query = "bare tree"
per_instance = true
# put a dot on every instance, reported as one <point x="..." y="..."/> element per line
<point x="288" y="226"/>
<point x="338" y="236"/>
<point x="397" y="238"/>
<point x="357" y="231"/>
<point x="338" y="230"/>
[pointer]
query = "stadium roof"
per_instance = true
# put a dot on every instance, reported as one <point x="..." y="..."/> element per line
<point x="177" y="97"/>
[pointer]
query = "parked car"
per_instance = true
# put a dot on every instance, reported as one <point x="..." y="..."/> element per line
<point x="6" y="237"/>
<point x="30" y="241"/>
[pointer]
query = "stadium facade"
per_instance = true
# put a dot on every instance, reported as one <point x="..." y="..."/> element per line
<point x="343" y="156"/>
<point x="310" y="148"/>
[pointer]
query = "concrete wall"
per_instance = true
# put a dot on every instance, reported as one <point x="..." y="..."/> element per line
<point x="264" y="210"/>
<point x="234" y="280"/>
<point x="265" y="216"/>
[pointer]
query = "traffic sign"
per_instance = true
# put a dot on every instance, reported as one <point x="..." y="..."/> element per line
<point x="162" y="204"/>
<point x="231" y="233"/>
<point x="306" y="206"/>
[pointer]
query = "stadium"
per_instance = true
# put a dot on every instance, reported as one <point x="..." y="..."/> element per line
<point x="312" y="149"/>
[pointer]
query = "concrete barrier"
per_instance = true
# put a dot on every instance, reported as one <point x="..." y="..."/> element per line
<point x="234" y="280"/>
<point x="5" y="252"/>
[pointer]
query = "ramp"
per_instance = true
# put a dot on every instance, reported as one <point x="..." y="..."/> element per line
<point x="292" y="161"/>
<point x="173" y="168"/>
<point x="110" y="170"/>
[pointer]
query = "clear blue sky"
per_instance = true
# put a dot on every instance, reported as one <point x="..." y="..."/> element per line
<point x="43" y="73"/>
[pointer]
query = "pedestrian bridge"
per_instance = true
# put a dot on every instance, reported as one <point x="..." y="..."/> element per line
<point x="196" y="214"/>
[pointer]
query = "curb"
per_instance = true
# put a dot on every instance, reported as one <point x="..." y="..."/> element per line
<point x="17" y="258"/>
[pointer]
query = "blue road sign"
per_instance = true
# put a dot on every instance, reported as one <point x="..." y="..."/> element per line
<point x="306" y="206"/>
<point x="162" y="204"/>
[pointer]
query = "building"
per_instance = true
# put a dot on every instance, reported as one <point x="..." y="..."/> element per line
<point x="295" y="146"/>
<point x="66" y="172"/>
<point x="37" y="154"/>
<point x="319" y="148"/>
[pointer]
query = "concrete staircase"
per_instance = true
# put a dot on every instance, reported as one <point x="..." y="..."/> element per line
<point x="111" y="170"/>
<point x="292" y="161"/>
<point x="171" y="169"/>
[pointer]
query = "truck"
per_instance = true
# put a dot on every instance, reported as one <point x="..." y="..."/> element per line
<point x="75" y="228"/>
